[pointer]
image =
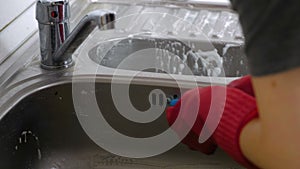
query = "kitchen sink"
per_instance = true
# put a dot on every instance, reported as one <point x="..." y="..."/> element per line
<point x="43" y="131"/>
<point x="185" y="57"/>
<point x="41" y="127"/>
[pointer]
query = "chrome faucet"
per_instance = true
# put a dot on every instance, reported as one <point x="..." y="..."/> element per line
<point x="56" y="43"/>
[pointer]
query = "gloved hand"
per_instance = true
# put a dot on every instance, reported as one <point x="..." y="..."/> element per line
<point x="236" y="108"/>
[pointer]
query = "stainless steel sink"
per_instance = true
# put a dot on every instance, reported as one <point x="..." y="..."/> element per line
<point x="186" y="57"/>
<point x="43" y="131"/>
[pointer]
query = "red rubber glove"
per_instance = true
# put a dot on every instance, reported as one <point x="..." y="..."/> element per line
<point x="243" y="84"/>
<point x="221" y="124"/>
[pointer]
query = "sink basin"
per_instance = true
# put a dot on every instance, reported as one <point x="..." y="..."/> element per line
<point x="43" y="131"/>
<point x="200" y="58"/>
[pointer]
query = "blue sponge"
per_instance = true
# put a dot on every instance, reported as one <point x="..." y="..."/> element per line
<point x="173" y="102"/>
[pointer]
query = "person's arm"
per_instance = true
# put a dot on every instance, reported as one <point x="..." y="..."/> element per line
<point x="266" y="137"/>
<point x="273" y="140"/>
<point x="272" y="36"/>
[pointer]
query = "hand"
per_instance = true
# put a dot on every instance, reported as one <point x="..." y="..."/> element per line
<point x="240" y="108"/>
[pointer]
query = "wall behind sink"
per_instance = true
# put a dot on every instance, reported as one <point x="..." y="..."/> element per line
<point x="17" y="23"/>
<point x="11" y="9"/>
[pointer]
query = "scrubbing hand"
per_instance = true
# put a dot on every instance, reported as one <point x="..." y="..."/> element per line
<point x="223" y="112"/>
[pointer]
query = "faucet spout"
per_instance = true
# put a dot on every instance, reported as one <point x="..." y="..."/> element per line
<point x="56" y="43"/>
<point x="102" y="19"/>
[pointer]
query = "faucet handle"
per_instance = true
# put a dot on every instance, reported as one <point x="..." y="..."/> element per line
<point x="52" y="11"/>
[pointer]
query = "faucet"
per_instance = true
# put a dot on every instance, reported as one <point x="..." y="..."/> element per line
<point x="56" y="43"/>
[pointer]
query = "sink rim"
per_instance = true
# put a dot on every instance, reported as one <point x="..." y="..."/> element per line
<point x="29" y="86"/>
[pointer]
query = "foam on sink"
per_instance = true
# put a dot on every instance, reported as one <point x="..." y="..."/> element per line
<point x="212" y="62"/>
<point x="208" y="63"/>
